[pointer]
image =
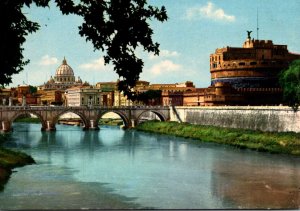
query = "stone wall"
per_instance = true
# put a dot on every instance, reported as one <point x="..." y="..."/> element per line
<point x="264" y="118"/>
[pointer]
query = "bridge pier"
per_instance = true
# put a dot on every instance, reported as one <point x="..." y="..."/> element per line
<point x="5" y="126"/>
<point x="93" y="125"/>
<point x="134" y="123"/>
<point x="50" y="126"/>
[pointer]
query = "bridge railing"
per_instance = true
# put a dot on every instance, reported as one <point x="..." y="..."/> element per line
<point x="14" y="108"/>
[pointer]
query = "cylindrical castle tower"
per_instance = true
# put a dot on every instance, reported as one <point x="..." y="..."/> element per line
<point x="255" y="65"/>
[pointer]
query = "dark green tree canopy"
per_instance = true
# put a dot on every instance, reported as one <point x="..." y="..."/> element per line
<point x="116" y="27"/>
<point x="290" y="83"/>
<point x="14" y="28"/>
<point x="149" y="95"/>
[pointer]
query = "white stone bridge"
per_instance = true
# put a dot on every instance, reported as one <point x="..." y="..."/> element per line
<point x="90" y="116"/>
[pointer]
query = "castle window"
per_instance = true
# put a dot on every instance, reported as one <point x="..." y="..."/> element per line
<point x="242" y="63"/>
<point x="253" y="63"/>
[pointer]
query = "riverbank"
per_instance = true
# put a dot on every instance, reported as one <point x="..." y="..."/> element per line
<point x="10" y="159"/>
<point x="286" y="143"/>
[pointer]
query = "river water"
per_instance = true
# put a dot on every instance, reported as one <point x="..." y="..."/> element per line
<point x="113" y="168"/>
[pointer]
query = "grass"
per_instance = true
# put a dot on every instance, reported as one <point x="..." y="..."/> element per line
<point x="286" y="143"/>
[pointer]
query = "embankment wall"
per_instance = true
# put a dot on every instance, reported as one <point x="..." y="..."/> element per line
<point x="264" y="118"/>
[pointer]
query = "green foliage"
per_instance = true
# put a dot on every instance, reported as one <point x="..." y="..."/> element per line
<point x="28" y="120"/>
<point x="288" y="143"/>
<point x="14" y="28"/>
<point x="149" y="95"/>
<point x="117" y="27"/>
<point x="290" y="82"/>
<point x="3" y="138"/>
<point x="32" y="89"/>
<point x="11" y="159"/>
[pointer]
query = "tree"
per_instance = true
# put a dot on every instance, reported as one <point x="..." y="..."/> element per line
<point x="290" y="83"/>
<point x="32" y="89"/>
<point x="14" y="29"/>
<point x="149" y="95"/>
<point x="117" y="27"/>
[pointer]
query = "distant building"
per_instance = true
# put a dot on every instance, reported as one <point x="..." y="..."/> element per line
<point x="247" y="75"/>
<point x="26" y="91"/>
<point x="173" y="94"/>
<point x="64" y="78"/>
<point x="111" y="96"/>
<point x="186" y="86"/>
<point x="6" y="94"/>
<point x="107" y="92"/>
<point x="83" y="96"/>
<point x="255" y="65"/>
<point x="194" y="97"/>
<point x="50" y="97"/>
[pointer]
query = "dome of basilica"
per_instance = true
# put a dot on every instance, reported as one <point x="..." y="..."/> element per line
<point x="64" y="69"/>
<point x="64" y="78"/>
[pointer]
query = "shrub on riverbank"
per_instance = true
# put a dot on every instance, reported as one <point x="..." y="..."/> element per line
<point x="288" y="143"/>
<point x="10" y="159"/>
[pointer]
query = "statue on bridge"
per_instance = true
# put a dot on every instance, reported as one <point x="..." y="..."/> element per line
<point x="249" y="34"/>
<point x="4" y="101"/>
<point x="23" y="100"/>
<point x="10" y="101"/>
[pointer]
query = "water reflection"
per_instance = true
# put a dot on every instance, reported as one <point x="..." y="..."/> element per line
<point x="150" y="170"/>
<point x="257" y="180"/>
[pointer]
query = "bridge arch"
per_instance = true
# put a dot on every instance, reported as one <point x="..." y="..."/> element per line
<point x="20" y="113"/>
<point x="159" y="114"/>
<point x="120" y="113"/>
<point x="81" y="115"/>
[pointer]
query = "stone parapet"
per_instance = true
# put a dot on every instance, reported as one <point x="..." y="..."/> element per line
<point x="263" y="118"/>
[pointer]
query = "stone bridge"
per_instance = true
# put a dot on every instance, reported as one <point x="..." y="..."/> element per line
<point x="90" y="116"/>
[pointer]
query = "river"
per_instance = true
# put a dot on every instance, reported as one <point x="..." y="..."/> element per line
<point x="115" y="168"/>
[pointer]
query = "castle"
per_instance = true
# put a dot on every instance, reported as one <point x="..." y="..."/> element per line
<point x="247" y="75"/>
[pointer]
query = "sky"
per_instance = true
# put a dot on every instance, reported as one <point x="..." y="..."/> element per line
<point x="194" y="30"/>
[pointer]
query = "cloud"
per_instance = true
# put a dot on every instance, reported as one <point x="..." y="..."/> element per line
<point x="47" y="60"/>
<point x="164" y="54"/>
<point x="164" y="67"/>
<point x="209" y="11"/>
<point x="97" y="64"/>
